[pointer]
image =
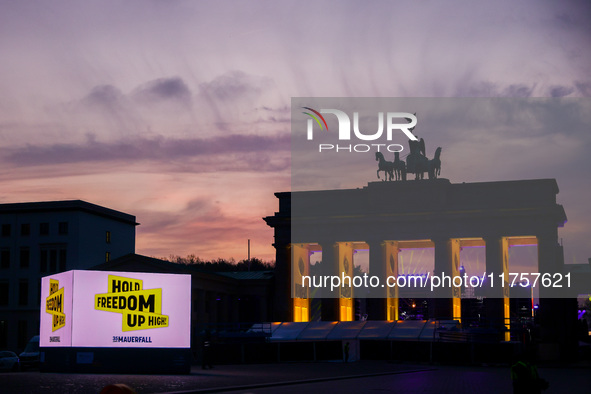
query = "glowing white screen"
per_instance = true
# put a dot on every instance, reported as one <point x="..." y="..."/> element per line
<point x="106" y="316"/>
<point x="58" y="335"/>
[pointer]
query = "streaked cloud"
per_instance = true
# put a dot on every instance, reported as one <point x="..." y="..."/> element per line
<point x="141" y="148"/>
<point x="163" y="90"/>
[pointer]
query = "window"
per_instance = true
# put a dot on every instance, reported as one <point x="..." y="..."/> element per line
<point x="4" y="290"/>
<point x="108" y="237"/>
<point x="25" y="229"/>
<point x="43" y="260"/>
<point x="63" y="228"/>
<point x="24" y="258"/>
<point x="5" y="258"/>
<point x="23" y="292"/>
<point x="43" y="228"/>
<point x="52" y="258"/>
<point x="108" y="257"/>
<point x="6" y="230"/>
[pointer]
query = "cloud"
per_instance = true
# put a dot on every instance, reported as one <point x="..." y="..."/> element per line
<point x="232" y="96"/>
<point x="274" y="115"/>
<point x="471" y="88"/>
<point x="105" y="108"/>
<point x="141" y="148"/>
<point x="216" y="228"/>
<point x="560" y="91"/>
<point x="235" y="85"/>
<point x="584" y="88"/>
<point x="215" y="233"/>
<point x="104" y="95"/>
<point x="518" y="90"/>
<point x="163" y="89"/>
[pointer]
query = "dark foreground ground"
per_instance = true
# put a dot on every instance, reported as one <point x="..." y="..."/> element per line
<point x="360" y="377"/>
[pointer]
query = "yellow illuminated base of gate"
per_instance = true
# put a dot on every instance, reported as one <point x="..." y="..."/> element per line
<point x="392" y="309"/>
<point x="301" y="309"/>
<point x="457" y="309"/>
<point x="507" y="315"/>
<point x="346" y="308"/>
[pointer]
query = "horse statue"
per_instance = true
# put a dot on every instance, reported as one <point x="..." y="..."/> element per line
<point x="435" y="165"/>
<point x="399" y="167"/>
<point x="416" y="162"/>
<point x="386" y="166"/>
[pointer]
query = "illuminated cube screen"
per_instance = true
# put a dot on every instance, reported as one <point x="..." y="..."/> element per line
<point x="115" y="309"/>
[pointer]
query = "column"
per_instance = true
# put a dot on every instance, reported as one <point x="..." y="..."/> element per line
<point x="447" y="302"/>
<point x="345" y="258"/>
<point x="300" y="290"/>
<point x="557" y="316"/>
<point x="377" y="297"/>
<point x="391" y="255"/>
<point x="330" y="299"/>
<point x="496" y="303"/>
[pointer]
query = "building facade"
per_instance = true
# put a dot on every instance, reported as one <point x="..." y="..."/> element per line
<point x="41" y="238"/>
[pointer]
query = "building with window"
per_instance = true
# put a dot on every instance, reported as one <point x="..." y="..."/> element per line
<point x="41" y="238"/>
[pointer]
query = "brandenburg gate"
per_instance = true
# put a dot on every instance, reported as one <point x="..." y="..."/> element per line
<point x="386" y="217"/>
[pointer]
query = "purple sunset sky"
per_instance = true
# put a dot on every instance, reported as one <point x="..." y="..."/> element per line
<point x="178" y="112"/>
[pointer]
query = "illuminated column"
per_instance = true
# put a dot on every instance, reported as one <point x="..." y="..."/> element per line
<point x="497" y="301"/>
<point x="391" y="255"/>
<point x="300" y="291"/>
<point x="345" y="257"/>
<point x="330" y="267"/>
<point x="447" y="263"/>
<point x="376" y="302"/>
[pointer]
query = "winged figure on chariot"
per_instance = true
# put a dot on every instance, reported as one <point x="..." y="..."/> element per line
<point x="416" y="163"/>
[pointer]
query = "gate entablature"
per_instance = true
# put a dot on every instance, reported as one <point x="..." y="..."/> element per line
<point x="425" y="210"/>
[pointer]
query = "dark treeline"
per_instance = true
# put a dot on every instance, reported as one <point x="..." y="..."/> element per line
<point x="222" y="265"/>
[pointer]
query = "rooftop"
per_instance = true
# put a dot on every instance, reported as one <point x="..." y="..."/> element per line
<point x="69" y="205"/>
